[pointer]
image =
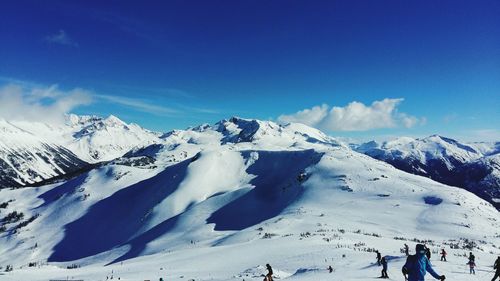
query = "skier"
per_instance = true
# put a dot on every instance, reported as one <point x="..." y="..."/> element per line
<point x="384" y="268"/>
<point x="407" y="250"/>
<point x="443" y="255"/>
<point x="497" y="267"/>
<point x="471" y="267"/>
<point x="269" y="276"/>
<point x="379" y="257"/>
<point x="330" y="269"/>
<point x="472" y="257"/>
<point x="417" y="265"/>
<point x="428" y="253"/>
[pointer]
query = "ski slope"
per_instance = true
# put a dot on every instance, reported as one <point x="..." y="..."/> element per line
<point x="219" y="202"/>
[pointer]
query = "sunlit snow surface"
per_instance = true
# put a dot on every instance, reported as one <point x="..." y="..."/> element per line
<point x="219" y="202"/>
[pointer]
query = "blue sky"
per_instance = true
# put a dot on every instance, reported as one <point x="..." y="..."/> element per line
<point x="174" y="64"/>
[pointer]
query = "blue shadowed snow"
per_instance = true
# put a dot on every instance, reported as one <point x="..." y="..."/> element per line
<point x="113" y="221"/>
<point x="61" y="190"/>
<point x="431" y="200"/>
<point x="276" y="187"/>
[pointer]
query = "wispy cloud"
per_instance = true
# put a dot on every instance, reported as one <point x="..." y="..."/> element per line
<point x="356" y="116"/>
<point x="492" y="135"/>
<point x="139" y="105"/>
<point x="46" y="104"/>
<point x="61" y="38"/>
<point x="152" y="91"/>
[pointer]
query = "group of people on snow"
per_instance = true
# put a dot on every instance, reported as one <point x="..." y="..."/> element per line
<point x="416" y="266"/>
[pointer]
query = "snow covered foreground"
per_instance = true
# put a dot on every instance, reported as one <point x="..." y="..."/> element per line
<point x="218" y="203"/>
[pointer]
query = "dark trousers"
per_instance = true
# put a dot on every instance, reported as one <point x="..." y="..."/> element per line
<point x="497" y="274"/>
<point x="443" y="258"/>
<point x="384" y="273"/>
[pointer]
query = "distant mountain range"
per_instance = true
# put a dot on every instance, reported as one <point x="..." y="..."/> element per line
<point x="32" y="152"/>
<point x="473" y="166"/>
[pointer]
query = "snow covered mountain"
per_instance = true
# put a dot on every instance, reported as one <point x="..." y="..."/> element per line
<point x="31" y="152"/>
<point x="215" y="202"/>
<point x="97" y="139"/>
<point x="26" y="159"/>
<point x="471" y="166"/>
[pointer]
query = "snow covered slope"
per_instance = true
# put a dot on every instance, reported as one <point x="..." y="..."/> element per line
<point x="31" y="152"/>
<point x="471" y="166"/>
<point x="97" y="139"/>
<point x="26" y="159"/>
<point x="218" y="202"/>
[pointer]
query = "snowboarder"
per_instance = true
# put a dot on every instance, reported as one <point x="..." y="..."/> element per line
<point x="417" y="265"/>
<point x="472" y="257"/>
<point x="471" y="267"/>
<point x="428" y="253"/>
<point x="384" y="268"/>
<point x="269" y="276"/>
<point x="443" y="255"/>
<point x="379" y="257"/>
<point x="497" y="267"/>
<point x="407" y="250"/>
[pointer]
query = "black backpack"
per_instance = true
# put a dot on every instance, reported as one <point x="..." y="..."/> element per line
<point x="411" y="259"/>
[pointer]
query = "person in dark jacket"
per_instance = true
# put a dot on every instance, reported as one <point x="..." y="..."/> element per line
<point x="383" y="261"/>
<point x="269" y="275"/>
<point x="472" y="257"/>
<point x="428" y="253"/>
<point x="407" y="250"/>
<point x="497" y="267"/>
<point x="417" y="265"/>
<point x="379" y="257"/>
<point x="472" y="265"/>
<point x="443" y="255"/>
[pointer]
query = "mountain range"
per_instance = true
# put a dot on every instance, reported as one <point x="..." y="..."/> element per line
<point x="217" y="201"/>
<point x="474" y="167"/>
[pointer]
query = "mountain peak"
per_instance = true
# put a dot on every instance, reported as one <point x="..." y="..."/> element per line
<point x="111" y="119"/>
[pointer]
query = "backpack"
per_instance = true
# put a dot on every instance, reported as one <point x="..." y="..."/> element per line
<point x="412" y="259"/>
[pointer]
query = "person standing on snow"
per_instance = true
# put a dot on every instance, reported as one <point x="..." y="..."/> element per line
<point x="417" y="265"/>
<point x="472" y="257"/>
<point x="379" y="257"/>
<point x="497" y="267"/>
<point x="383" y="261"/>
<point x="443" y="255"/>
<point x="269" y="276"/>
<point x="407" y="250"/>
<point x="471" y="267"/>
<point x="428" y="253"/>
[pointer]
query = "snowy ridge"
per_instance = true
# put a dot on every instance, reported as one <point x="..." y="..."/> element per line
<point x="26" y="159"/>
<point x="31" y="152"/>
<point x="217" y="202"/>
<point x="97" y="139"/>
<point x="471" y="166"/>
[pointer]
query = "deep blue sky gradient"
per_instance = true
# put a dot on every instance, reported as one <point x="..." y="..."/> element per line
<point x="213" y="59"/>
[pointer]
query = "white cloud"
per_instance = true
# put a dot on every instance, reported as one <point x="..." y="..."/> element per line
<point x="356" y="116"/>
<point x="62" y="38"/>
<point x="310" y="117"/>
<point x="46" y="104"/>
